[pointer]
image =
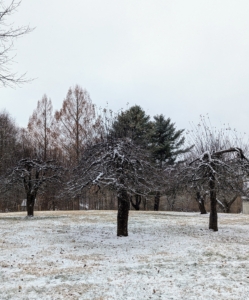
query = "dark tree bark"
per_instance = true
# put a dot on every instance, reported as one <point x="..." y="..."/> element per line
<point x="123" y="213"/>
<point x="120" y="165"/>
<point x="220" y="173"/>
<point x="201" y="204"/>
<point x="138" y="199"/>
<point x="33" y="173"/>
<point x="30" y="205"/>
<point x="157" y="201"/>
<point x="226" y="205"/>
<point x="213" y="218"/>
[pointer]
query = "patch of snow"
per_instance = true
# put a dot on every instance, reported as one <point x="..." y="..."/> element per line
<point x="167" y="255"/>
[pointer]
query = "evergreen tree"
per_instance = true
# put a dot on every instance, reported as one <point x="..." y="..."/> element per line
<point x="133" y="123"/>
<point x="166" y="141"/>
<point x="166" y="145"/>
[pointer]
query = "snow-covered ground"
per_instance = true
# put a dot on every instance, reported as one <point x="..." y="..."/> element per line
<point x="167" y="255"/>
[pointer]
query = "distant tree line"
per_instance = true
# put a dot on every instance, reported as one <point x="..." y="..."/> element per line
<point x="66" y="157"/>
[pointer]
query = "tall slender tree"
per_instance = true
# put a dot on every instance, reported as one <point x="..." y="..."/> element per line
<point x="8" y="141"/>
<point x="40" y="128"/>
<point x="77" y="123"/>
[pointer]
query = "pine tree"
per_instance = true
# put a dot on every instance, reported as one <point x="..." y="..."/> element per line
<point x="166" y="145"/>
<point x="133" y="123"/>
<point x="166" y="141"/>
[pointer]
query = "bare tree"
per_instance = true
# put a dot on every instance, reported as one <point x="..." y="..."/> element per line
<point x="40" y="128"/>
<point x="33" y="174"/>
<point x="120" y="165"/>
<point x="8" y="34"/>
<point x="8" y="140"/>
<point x="77" y="123"/>
<point x="215" y="171"/>
<point x="216" y="166"/>
<point x="9" y="148"/>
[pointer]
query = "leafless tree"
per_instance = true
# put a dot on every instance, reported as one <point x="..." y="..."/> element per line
<point x="8" y="140"/>
<point x="216" y="166"/>
<point x="32" y="174"/>
<point x="120" y="165"/>
<point x="8" y="34"/>
<point x="9" y="149"/>
<point x="77" y="123"/>
<point x="220" y="168"/>
<point x="40" y="128"/>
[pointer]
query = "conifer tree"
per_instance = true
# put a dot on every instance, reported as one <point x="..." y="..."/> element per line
<point x="166" y="145"/>
<point x="166" y="141"/>
<point x="40" y="128"/>
<point x="133" y="123"/>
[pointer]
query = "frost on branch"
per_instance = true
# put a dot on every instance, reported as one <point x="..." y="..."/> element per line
<point x="32" y="174"/>
<point x="120" y="165"/>
<point x="219" y="172"/>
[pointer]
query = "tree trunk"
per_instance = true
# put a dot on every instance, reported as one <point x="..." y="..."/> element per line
<point x="123" y="213"/>
<point x="213" y="218"/>
<point x="145" y="203"/>
<point x="226" y="205"/>
<point x="228" y="208"/>
<point x="30" y="205"/>
<point x="157" y="201"/>
<point x="201" y="203"/>
<point x="136" y="205"/>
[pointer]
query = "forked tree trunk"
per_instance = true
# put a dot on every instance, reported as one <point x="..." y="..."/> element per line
<point x="30" y="205"/>
<point x="157" y="201"/>
<point x="138" y="199"/>
<point x="229" y="205"/>
<point x="123" y="213"/>
<point x="213" y="218"/>
<point x="201" y="203"/>
<point x="226" y="205"/>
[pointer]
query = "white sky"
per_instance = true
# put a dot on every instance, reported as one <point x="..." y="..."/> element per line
<point x="179" y="58"/>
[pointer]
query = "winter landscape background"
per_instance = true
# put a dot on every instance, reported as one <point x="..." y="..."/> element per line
<point x="150" y="68"/>
<point x="167" y="255"/>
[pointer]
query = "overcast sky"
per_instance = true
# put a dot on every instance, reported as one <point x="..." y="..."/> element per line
<point x="179" y="58"/>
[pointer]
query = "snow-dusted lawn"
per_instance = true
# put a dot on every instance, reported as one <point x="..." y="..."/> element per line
<point x="76" y="255"/>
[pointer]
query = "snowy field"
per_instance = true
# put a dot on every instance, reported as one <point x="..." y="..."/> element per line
<point x="167" y="255"/>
